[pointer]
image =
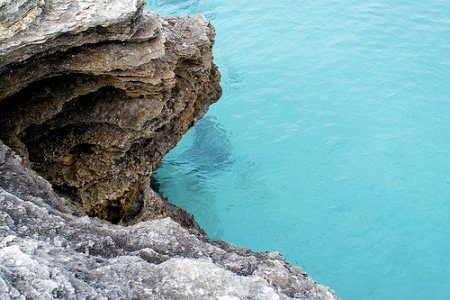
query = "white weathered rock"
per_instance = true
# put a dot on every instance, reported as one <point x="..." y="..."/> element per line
<point x="48" y="250"/>
<point x="29" y="27"/>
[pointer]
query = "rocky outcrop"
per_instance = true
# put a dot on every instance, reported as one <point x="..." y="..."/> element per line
<point x="92" y="95"/>
<point x="48" y="250"/>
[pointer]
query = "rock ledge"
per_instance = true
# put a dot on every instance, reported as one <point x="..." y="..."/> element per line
<point x="92" y="95"/>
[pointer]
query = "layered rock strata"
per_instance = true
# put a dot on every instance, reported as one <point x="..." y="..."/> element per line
<point x="92" y="95"/>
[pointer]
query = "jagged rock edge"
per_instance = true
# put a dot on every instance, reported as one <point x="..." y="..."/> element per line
<point x="42" y="228"/>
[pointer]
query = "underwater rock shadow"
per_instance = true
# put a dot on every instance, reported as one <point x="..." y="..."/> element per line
<point x="210" y="154"/>
<point x="185" y="180"/>
<point x="211" y="149"/>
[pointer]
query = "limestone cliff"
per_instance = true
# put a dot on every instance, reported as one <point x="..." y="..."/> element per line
<point x="92" y="95"/>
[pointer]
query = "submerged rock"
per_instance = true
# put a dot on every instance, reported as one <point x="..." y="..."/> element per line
<point x="92" y="95"/>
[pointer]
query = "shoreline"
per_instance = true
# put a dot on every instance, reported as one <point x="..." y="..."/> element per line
<point x="90" y="111"/>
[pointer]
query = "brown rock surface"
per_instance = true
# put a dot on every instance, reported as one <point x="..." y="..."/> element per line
<point x="95" y="108"/>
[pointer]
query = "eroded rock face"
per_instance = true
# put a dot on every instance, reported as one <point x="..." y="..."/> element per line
<point x="48" y="250"/>
<point x="92" y="95"/>
<point x="95" y="107"/>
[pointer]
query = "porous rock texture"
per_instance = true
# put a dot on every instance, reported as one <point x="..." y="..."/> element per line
<point x="92" y="94"/>
<point x="49" y="250"/>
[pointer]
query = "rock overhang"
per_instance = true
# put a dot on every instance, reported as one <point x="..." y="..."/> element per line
<point x="92" y="95"/>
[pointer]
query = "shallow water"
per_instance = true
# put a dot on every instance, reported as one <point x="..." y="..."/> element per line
<point x="331" y="143"/>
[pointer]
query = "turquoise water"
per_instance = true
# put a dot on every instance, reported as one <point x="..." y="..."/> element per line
<point x="331" y="143"/>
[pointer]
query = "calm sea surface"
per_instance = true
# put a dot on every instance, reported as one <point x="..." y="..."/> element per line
<point x="331" y="143"/>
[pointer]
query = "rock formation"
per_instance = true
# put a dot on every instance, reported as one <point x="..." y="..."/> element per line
<point x="48" y="250"/>
<point x="92" y="95"/>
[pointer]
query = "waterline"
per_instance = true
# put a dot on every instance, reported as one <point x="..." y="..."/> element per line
<point x="331" y="143"/>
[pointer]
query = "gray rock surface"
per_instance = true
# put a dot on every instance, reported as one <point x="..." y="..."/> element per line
<point x="49" y="250"/>
<point x="92" y="94"/>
